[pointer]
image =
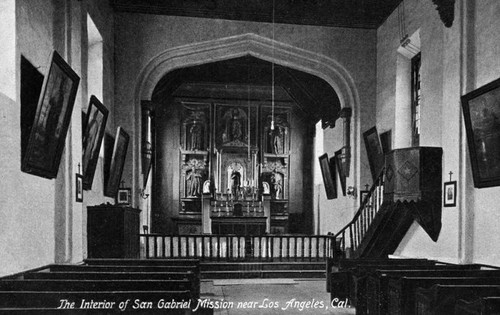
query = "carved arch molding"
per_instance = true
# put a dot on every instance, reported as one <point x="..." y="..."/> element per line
<point x="237" y="46"/>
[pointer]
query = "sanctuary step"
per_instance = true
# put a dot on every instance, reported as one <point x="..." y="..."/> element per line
<point x="236" y="270"/>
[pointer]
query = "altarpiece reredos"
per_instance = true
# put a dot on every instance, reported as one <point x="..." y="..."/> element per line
<point x="238" y="151"/>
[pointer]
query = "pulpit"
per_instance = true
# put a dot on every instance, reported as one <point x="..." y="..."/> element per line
<point x="112" y="232"/>
<point x="414" y="176"/>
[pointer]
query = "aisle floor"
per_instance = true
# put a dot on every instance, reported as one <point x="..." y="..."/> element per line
<point x="271" y="296"/>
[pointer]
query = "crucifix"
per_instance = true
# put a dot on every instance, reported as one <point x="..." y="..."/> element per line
<point x="451" y="173"/>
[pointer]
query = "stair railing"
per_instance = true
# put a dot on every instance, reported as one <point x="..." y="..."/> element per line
<point x="356" y="229"/>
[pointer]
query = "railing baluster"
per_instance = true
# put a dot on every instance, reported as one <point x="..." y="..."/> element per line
<point x="324" y="247"/>
<point x="302" y="247"/>
<point x="288" y="248"/>
<point x="155" y="247"/>
<point x="203" y="247"/>
<point x="261" y="248"/>
<point x="317" y="248"/>
<point x="281" y="247"/>
<point x="272" y="249"/>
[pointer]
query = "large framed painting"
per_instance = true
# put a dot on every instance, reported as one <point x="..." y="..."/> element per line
<point x="481" y="109"/>
<point x="330" y="187"/>
<point x="374" y="152"/>
<point x="95" y="126"/>
<point x="117" y="162"/>
<point x="340" y="162"/>
<point x="53" y="114"/>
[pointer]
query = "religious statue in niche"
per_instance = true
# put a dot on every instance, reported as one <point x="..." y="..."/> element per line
<point x="277" y="181"/>
<point x="276" y="139"/>
<point x="194" y="127"/>
<point x="193" y="179"/>
<point x="234" y="131"/>
<point x="196" y="131"/>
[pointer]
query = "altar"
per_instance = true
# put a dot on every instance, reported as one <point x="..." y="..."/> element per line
<point x="246" y="225"/>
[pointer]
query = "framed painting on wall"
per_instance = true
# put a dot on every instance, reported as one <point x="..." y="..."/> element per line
<point x="53" y="114"/>
<point x="95" y="124"/>
<point x="331" y="189"/>
<point x="117" y="162"/>
<point x="481" y="110"/>
<point x="340" y="170"/>
<point x="374" y="152"/>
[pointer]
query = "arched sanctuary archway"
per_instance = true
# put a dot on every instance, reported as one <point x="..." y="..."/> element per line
<point x="241" y="45"/>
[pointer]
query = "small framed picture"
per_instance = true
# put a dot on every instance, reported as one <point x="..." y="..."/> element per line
<point x="450" y="194"/>
<point x="362" y="196"/>
<point x="123" y="197"/>
<point x="79" y="188"/>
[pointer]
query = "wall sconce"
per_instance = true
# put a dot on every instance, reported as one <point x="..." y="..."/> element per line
<point x="351" y="192"/>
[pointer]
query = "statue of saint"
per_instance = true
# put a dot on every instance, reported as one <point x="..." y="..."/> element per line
<point x="277" y="138"/>
<point x="277" y="184"/>
<point x="194" y="187"/>
<point x="235" y="182"/>
<point x="236" y="131"/>
<point x="195" y="131"/>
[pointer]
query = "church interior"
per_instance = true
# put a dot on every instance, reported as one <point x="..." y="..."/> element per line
<point x="223" y="136"/>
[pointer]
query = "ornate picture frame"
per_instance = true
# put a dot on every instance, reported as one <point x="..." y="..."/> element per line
<point x="95" y="126"/>
<point x="331" y="189"/>
<point x="53" y="115"/>
<point x="481" y="109"/>
<point x="117" y="162"/>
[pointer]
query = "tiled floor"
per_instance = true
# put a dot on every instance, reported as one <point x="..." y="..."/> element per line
<point x="302" y="297"/>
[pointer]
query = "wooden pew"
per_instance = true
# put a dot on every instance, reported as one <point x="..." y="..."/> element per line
<point x="339" y="272"/>
<point x="127" y="268"/>
<point x="35" y="292"/>
<point x="73" y="275"/>
<point x="401" y="299"/>
<point x="441" y="299"/>
<point x="487" y="305"/>
<point x="360" y="275"/>
<point x="373" y="291"/>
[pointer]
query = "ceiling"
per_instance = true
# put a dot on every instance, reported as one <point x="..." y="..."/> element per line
<point x="368" y="14"/>
<point x="231" y="79"/>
